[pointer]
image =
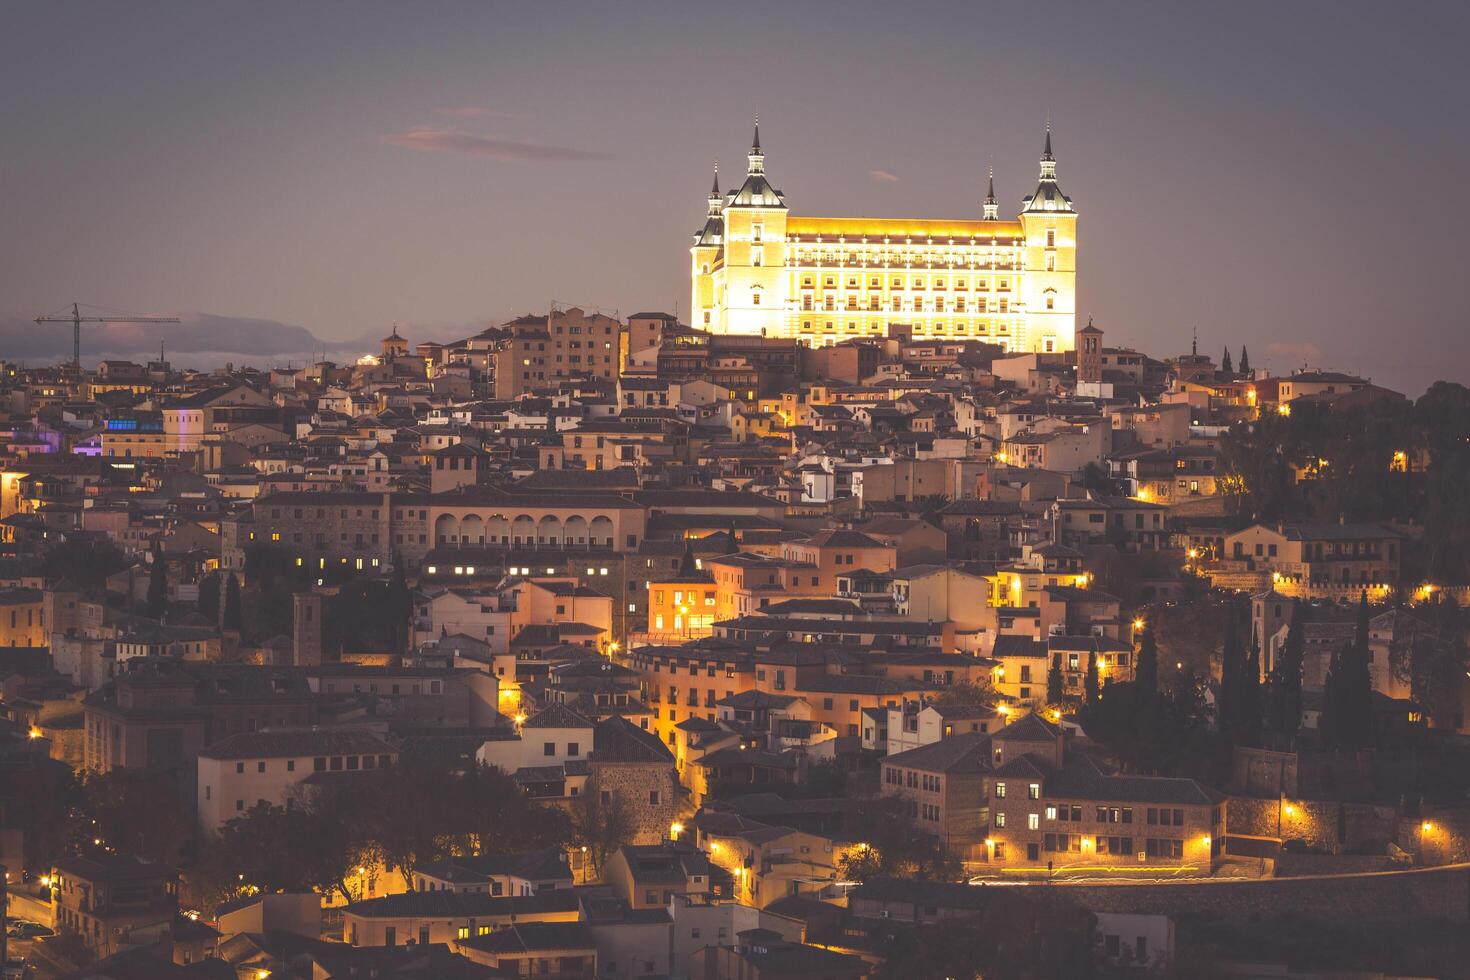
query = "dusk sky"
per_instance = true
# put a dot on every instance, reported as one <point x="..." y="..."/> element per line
<point x="1284" y="175"/>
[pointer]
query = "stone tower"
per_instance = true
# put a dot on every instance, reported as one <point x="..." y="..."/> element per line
<point x="306" y="629"/>
<point x="1089" y="355"/>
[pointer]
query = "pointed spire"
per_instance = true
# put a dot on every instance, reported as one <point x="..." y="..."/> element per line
<point x="991" y="208"/>
<point x="1048" y="196"/>
<point x="757" y="157"/>
<point x="714" y="190"/>
<point x="1048" y="161"/>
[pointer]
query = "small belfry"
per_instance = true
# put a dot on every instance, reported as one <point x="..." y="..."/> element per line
<point x="759" y="270"/>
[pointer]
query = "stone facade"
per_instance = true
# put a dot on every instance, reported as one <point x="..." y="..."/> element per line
<point x="1424" y="894"/>
<point x="648" y="789"/>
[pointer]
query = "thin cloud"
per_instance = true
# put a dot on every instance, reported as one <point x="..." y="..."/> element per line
<point x="478" y="112"/>
<point x="428" y="139"/>
<point x="1305" y="351"/>
<point x="883" y="177"/>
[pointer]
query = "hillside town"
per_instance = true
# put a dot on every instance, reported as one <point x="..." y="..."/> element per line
<point x="592" y="646"/>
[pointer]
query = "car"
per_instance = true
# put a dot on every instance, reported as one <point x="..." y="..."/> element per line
<point x="25" y="929"/>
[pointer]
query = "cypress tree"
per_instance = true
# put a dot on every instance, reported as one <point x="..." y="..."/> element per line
<point x="1227" y="706"/>
<point x="1285" y="690"/>
<point x="1358" y="690"/>
<point x="1056" y="689"/>
<point x="1347" y="701"/>
<point x="1329" y="722"/>
<point x="208" y="602"/>
<point x="1091" y="684"/>
<point x="233" y="617"/>
<point x="1245" y="360"/>
<point x="1250" y="691"/>
<point x="157" y="603"/>
<point x="400" y="604"/>
<point x="1225" y="362"/>
<point x="1147" y="673"/>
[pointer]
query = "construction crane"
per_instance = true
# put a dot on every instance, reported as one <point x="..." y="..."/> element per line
<point x="76" y="319"/>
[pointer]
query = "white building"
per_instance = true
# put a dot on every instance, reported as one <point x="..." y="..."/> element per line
<point x="242" y="770"/>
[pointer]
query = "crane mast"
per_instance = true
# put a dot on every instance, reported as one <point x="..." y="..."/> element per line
<point x="76" y="319"/>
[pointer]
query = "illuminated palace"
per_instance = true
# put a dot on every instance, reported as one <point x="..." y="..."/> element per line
<point x="758" y="269"/>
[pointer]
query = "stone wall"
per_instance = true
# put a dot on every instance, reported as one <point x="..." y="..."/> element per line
<point x="1263" y="772"/>
<point x="1445" y="839"/>
<point x="1428" y="893"/>
<point x="1437" y="836"/>
<point x="1316" y="822"/>
<point x="635" y="782"/>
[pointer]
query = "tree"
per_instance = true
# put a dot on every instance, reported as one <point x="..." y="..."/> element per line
<point x="889" y="846"/>
<point x="600" y="826"/>
<point x="827" y="779"/>
<point x="413" y="800"/>
<point x="1347" y="698"/>
<point x="1256" y="468"/>
<point x="85" y="565"/>
<point x="208" y="602"/>
<point x="1056" y="689"/>
<point x="1225" y="365"/>
<point x="1284" y="690"/>
<point x="1245" y="361"/>
<point x="400" y="605"/>
<point x="1152" y="731"/>
<point x="335" y="837"/>
<point x="1436" y="662"/>
<point x="1090" y="684"/>
<point x="1234" y="695"/>
<point x="1249" y="721"/>
<point x="136" y="811"/>
<point x="233" y="615"/>
<point x="43" y="802"/>
<point x="1017" y="932"/>
<point x="1096" y="479"/>
<point x="157" y="603"/>
<point x="965" y="695"/>
<point x="265" y="849"/>
<point x="1147" y="672"/>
